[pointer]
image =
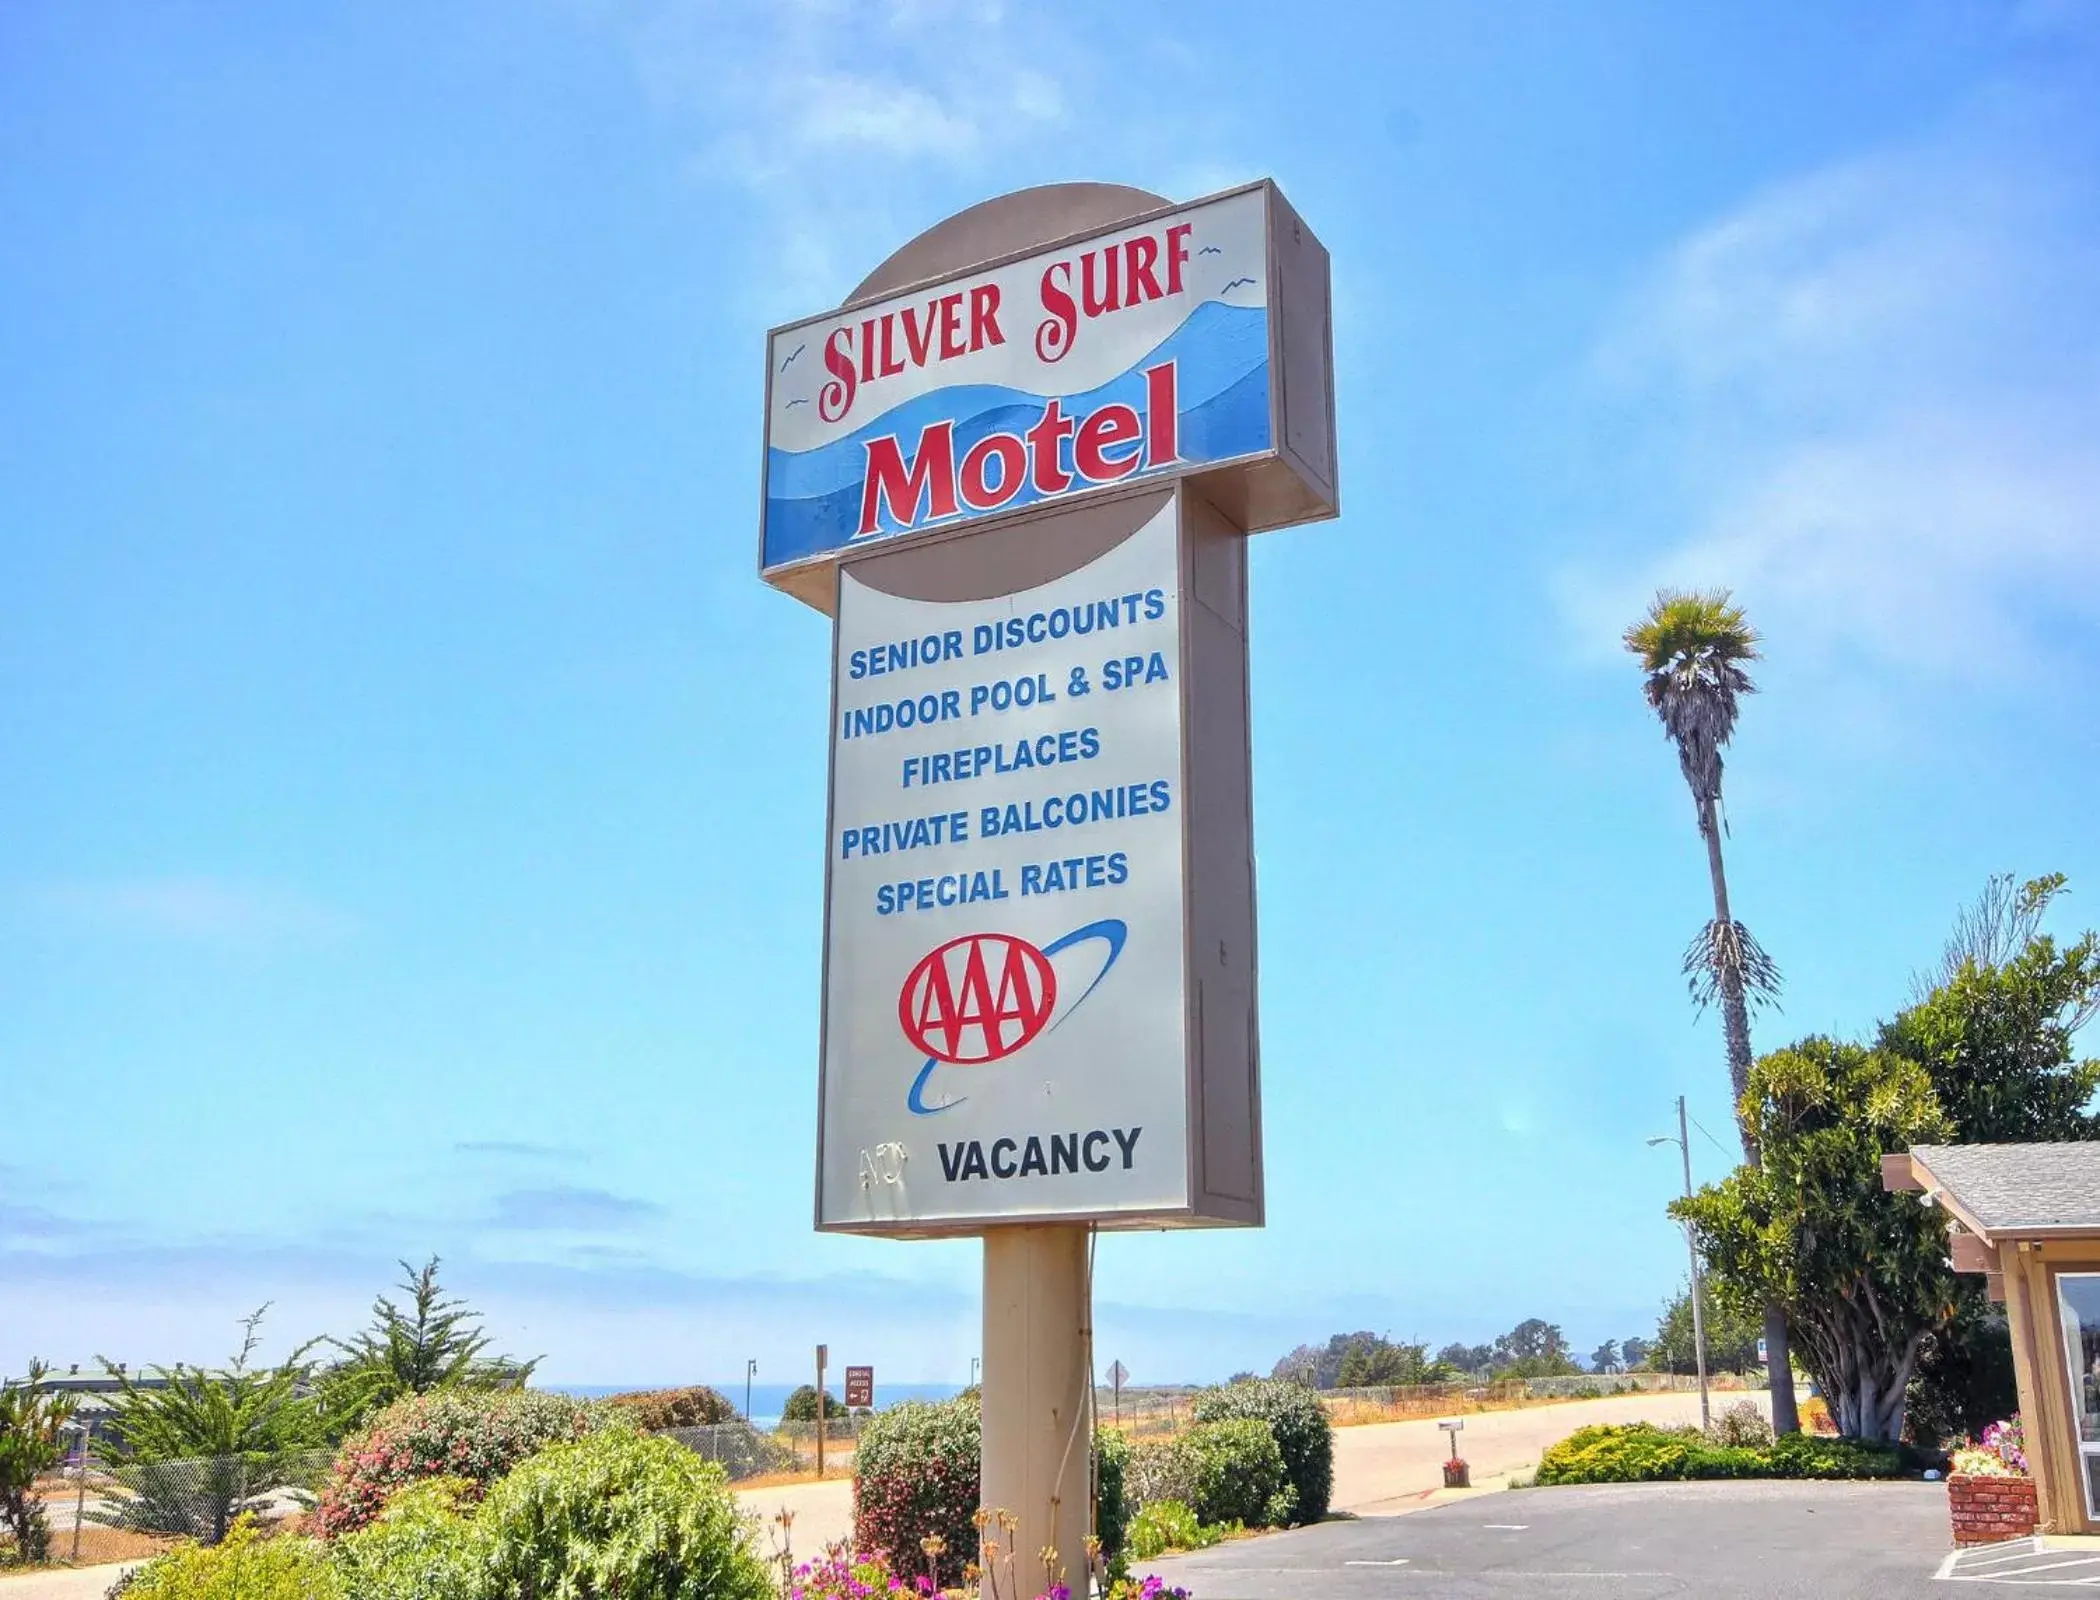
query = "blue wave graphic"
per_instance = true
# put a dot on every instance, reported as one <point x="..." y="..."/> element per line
<point x="1221" y="357"/>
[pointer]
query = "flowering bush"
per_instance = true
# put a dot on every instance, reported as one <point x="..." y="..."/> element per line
<point x="2001" y="1454"/>
<point x="654" y="1410"/>
<point x="473" y="1435"/>
<point x="1160" y="1470"/>
<point x="915" y="1478"/>
<point x="1150" y="1587"/>
<point x="841" y="1575"/>
<point x="1741" y="1424"/>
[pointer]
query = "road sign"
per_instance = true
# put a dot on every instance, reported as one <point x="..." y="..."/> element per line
<point x="860" y="1387"/>
<point x="1118" y="1374"/>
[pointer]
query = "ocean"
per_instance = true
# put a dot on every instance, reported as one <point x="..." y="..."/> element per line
<point x="767" y="1399"/>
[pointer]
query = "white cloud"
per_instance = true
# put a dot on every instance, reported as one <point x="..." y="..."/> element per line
<point x="191" y="908"/>
<point x="845" y="127"/>
<point x="1870" y="396"/>
<point x="838" y="109"/>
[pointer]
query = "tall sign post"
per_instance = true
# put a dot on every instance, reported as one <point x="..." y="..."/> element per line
<point x="1016" y="469"/>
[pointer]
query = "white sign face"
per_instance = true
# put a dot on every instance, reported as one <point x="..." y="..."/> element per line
<point x="1004" y="1026"/>
<point x="1141" y="352"/>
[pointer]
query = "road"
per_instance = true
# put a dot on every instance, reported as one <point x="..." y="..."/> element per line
<point x="1388" y="1466"/>
<point x="1380" y="1469"/>
<point x="1717" y="1541"/>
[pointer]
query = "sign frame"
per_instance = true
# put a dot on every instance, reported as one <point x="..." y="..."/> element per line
<point x="1294" y="479"/>
<point x="1224" y="1179"/>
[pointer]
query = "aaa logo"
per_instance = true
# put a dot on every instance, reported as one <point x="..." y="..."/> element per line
<point x="977" y="999"/>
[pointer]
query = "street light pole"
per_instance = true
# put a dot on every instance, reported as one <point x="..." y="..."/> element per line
<point x="750" y="1370"/>
<point x="1691" y="1249"/>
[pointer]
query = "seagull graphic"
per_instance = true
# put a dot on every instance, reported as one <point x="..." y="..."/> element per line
<point x="1210" y="250"/>
<point x="792" y="354"/>
<point x="1236" y="282"/>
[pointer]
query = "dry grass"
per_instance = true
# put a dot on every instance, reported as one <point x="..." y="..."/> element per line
<point x="833" y="1469"/>
<point x="99" y="1547"/>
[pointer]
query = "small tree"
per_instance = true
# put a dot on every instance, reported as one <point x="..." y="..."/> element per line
<point x="232" y="1431"/>
<point x="801" y="1405"/>
<point x="1861" y="1275"/>
<point x="1634" y="1353"/>
<point x="435" y="1344"/>
<point x="1605" y="1358"/>
<point x="1731" y="1337"/>
<point x="32" y="1421"/>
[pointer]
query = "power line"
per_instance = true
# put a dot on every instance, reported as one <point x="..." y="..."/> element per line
<point x="1710" y="1139"/>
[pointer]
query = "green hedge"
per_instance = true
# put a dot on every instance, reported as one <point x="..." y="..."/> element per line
<point x="1640" y="1452"/>
<point x="1239" y="1474"/>
<point x="1301" y="1427"/>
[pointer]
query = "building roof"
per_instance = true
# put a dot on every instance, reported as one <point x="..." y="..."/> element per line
<point x="2015" y="1189"/>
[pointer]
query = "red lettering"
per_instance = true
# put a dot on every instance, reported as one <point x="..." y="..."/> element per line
<point x="918" y="339"/>
<point x="951" y="327"/>
<point x="984" y="316"/>
<point x="1054" y="334"/>
<point x="891" y="366"/>
<point x="1177" y="253"/>
<point x="978" y="492"/>
<point x="1051" y="427"/>
<point x="1110" y="428"/>
<point x="1143" y="253"/>
<point x="1099" y="305"/>
<point x="931" y="477"/>
<point x="835" y="399"/>
<point x="867" y="352"/>
<point x="1162" y="416"/>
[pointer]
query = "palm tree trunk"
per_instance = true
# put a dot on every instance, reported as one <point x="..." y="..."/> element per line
<point x="1735" y="1026"/>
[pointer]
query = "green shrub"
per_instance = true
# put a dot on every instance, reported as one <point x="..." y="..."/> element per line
<point x="1803" y="1455"/>
<point x="915" y="1473"/>
<point x="424" y="1546"/>
<point x="1160" y="1469"/>
<point x="1167" y="1525"/>
<point x="695" y="1406"/>
<point x="618" y="1513"/>
<point x="455" y="1433"/>
<point x="1301" y="1427"/>
<point x="802" y="1405"/>
<point x="242" y="1566"/>
<point x="1640" y="1452"/>
<point x="1112" y="1490"/>
<point x="1239" y="1474"/>
<point x="1636" y="1452"/>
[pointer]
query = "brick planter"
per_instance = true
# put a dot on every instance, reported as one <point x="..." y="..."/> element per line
<point x="1986" y="1510"/>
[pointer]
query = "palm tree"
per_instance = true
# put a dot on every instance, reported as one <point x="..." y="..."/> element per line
<point x="1693" y="649"/>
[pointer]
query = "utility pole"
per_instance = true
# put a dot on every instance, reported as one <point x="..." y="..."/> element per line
<point x="750" y="1371"/>
<point x="1691" y="1249"/>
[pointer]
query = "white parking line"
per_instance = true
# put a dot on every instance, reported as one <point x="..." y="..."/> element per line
<point x="2022" y="1564"/>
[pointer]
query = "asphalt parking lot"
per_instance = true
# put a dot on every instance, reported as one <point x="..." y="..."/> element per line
<point x="1729" y="1541"/>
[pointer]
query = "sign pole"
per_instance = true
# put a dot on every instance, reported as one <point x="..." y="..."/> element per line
<point x="822" y="1352"/>
<point x="1038" y="1325"/>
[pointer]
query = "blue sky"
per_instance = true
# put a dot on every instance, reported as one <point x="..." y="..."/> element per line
<point x="412" y="808"/>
